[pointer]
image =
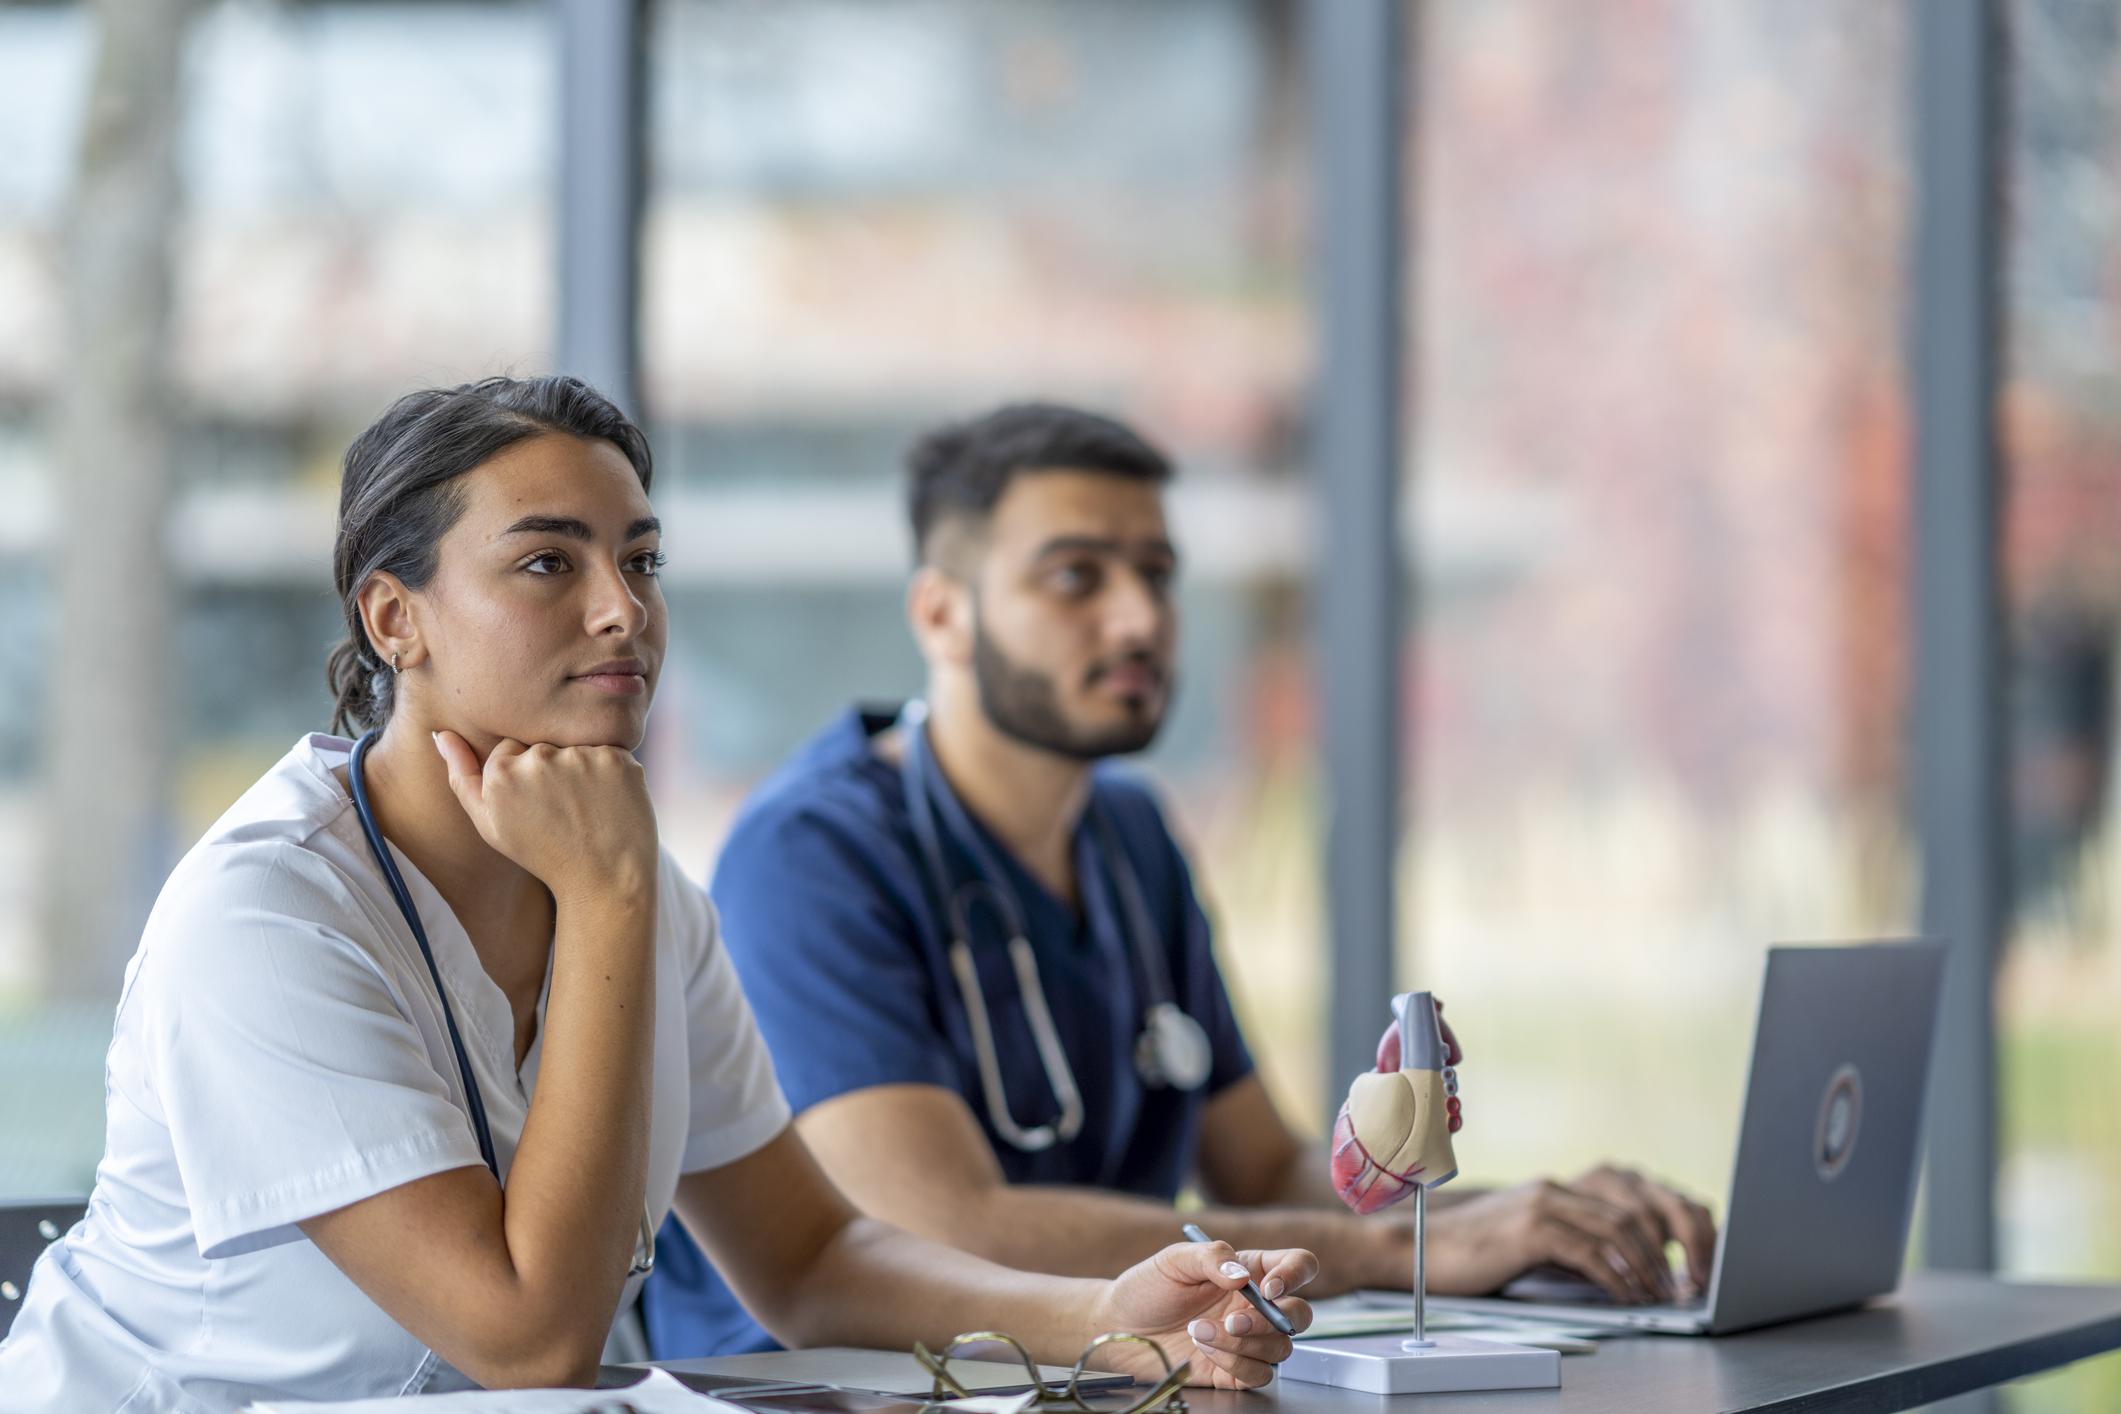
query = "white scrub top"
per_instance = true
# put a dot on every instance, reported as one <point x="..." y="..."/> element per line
<point x="279" y="1053"/>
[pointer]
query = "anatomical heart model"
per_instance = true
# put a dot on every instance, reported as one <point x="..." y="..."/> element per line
<point x="1394" y="1129"/>
<point x="1393" y="1141"/>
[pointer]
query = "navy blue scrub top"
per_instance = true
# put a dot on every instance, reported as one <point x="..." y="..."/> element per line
<point x="826" y="913"/>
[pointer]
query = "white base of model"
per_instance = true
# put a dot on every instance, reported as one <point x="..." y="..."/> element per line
<point x="1388" y="1364"/>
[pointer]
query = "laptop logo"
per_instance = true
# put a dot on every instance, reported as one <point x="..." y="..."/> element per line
<point x="1840" y="1121"/>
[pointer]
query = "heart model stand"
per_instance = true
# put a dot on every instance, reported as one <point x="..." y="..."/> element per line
<point x="1393" y="1141"/>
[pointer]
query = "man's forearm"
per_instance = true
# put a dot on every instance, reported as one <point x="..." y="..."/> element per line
<point x="1308" y="1183"/>
<point x="1091" y="1232"/>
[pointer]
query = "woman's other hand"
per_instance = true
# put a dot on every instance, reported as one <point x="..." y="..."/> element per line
<point x="1189" y="1299"/>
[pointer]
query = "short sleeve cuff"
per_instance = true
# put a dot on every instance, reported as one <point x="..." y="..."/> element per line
<point x="250" y="1222"/>
<point x="1240" y="1067"/>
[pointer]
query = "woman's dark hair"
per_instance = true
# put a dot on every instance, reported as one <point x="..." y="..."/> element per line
<point x="958" y="472"/>
<point x="398" y="497"/>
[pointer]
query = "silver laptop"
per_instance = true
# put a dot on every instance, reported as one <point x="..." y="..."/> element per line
<point x="1823" y="1186"/>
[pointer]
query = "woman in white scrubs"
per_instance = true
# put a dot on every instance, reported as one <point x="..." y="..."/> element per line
<point x="294" y="1199"/>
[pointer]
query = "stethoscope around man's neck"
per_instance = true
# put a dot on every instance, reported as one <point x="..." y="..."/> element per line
<point x="1171" y="1051"/>
<point x="644" y="1247"/>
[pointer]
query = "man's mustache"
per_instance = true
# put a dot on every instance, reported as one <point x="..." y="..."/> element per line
<point x="1135" y="658"/>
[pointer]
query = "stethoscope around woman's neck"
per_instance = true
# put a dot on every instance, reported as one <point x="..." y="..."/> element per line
<point x="1171" y="1051"/>
<point x="644" y="1247"/>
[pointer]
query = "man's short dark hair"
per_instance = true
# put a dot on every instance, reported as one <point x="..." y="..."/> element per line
<point x="959" y="471"/>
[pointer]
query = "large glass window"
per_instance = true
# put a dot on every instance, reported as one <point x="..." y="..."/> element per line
<point x="1660" y="477"/>
<point x="2059" y="985"/>
<point x="869" y="217"/>
<point x="325" y="253"/>
<point x="1657" y="708"/>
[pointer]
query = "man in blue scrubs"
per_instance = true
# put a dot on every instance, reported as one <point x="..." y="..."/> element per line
<point x="1042" y="604"/>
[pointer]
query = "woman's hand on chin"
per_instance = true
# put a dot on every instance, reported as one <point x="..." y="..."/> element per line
<point x="577" y="818"/>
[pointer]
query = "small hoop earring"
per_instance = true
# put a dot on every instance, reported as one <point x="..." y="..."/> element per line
<point x="393" y="665"/>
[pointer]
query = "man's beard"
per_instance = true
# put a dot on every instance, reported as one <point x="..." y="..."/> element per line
<point x="1023" y="706"/>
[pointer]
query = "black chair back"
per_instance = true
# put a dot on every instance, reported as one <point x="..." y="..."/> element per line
<point x="26" y="1229"/>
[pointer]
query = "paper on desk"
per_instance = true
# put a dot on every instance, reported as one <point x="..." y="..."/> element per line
<point x="660" y="1393"/>
<point x="1348" y="1315"/>
<point x="1337" y="1316"/>
<point x="1568" y="1340"/>
<point x="996" y="1403"/>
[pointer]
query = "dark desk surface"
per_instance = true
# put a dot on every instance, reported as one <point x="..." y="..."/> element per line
<point x="1942" y="1335"/>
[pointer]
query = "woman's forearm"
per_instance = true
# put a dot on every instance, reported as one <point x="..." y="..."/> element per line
<point x="816" y="1272"/>
<point x="876" y="1286"/>
<point x="516" y="1285"/>
<point x="572" y="1207"/>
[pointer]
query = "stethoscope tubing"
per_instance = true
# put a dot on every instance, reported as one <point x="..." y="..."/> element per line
<point x="1053" y="1057"/>
<point x="474" y="1099"/>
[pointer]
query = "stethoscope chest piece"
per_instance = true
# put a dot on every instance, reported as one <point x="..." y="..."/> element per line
<point x="1172" y="1050"/>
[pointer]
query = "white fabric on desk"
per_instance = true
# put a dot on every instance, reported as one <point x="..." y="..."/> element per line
<point x="658" y="1394"/>
<point x="654" y="1395"/>
<point x="279" y="1052"/>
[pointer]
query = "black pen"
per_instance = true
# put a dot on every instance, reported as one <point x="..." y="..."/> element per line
<point x="1252" y="1292"/>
